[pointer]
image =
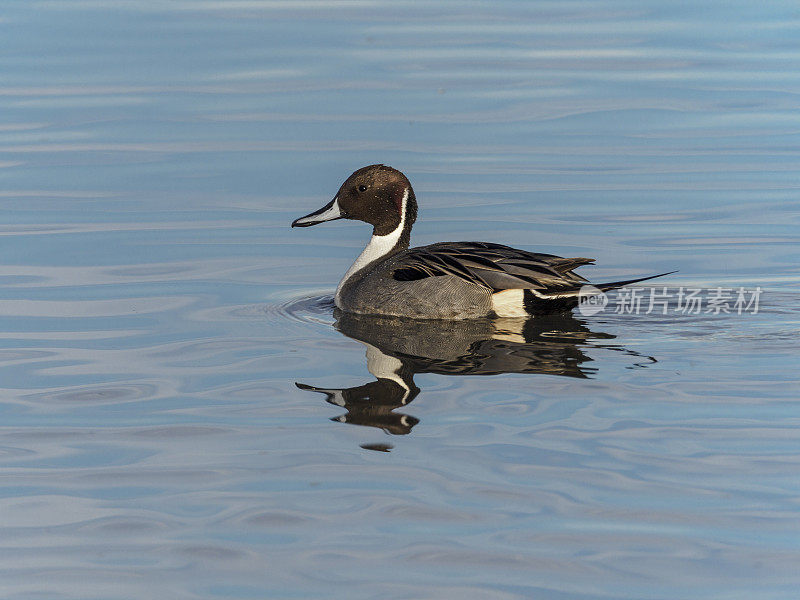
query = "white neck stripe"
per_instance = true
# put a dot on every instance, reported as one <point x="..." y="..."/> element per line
<point x="383" y="366"/>
<point x="378" y="246"/>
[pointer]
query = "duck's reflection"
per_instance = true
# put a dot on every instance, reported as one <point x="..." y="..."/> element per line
<point x="397" y="349"/>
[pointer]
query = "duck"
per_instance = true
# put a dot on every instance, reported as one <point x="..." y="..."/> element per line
<point x="445" y="280"/>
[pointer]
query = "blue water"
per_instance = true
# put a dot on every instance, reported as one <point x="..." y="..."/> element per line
<point x="157" y="310"/>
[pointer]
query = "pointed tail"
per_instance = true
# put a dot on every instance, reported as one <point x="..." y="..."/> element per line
<point x="611" y="285"/>
<point x="574" y="292"/>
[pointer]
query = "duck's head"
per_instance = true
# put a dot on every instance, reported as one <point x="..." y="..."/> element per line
<point x="377" y="194"/>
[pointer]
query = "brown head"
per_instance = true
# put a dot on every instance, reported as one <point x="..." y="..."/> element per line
<point x="377" y="194"/>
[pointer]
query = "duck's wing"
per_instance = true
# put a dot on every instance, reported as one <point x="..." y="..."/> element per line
<point x="491" y="266"/>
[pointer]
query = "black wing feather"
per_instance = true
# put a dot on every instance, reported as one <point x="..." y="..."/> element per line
<point x="492" y="266"/>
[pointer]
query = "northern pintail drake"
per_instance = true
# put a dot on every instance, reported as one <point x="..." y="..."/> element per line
<point x="448" y="280"/>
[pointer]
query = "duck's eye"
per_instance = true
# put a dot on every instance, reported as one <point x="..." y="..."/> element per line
<point x="362" y="188"/>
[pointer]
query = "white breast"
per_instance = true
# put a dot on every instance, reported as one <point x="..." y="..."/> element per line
<point x="378" y="246"/>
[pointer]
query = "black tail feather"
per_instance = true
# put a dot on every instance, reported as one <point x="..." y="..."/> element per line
<point x="618" y="284"/>
<point x="573" y="291"/>
<point x="540" y="302"/>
